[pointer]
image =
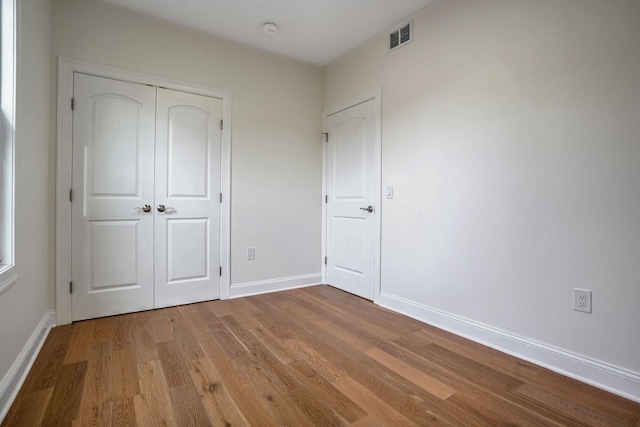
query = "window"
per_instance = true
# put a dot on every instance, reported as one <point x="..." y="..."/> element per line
<point x="7" y="125"/>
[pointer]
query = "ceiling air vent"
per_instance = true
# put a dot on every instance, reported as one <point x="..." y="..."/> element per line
<point x="401" y="36"/>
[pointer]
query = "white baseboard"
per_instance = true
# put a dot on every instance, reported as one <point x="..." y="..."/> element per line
<point x="610" y="378"/>
<point x="274" y="285"/>
<point x="14" y="378"/>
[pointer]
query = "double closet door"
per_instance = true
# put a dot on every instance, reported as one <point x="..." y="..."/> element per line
<point x="146" y="197"/>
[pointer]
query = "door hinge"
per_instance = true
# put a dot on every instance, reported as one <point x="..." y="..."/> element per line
<point x="70" y="287"/>
<point x="326" y="136"/>
<point x="326" y="198"/>
<point x="70" y="195"/>
<point x="325" y="260"/>
<point x="220" y="271"/>
<point x="220" y="197"/>
<point x="221" y="124"/>
<point x="73" y="104"/>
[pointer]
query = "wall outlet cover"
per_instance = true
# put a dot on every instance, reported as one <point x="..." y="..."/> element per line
<point x="582" y="300"/>
<point x="388" y="192"/>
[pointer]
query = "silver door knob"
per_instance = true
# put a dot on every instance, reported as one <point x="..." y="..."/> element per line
<point x="368" y="209"/>
<point x="161" y="208"/>
<point x="145" y="208"/>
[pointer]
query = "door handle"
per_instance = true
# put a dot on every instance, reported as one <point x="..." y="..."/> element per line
<point x="368" y="209"/>
<point x="163" y="208"/>
<point x="145" y="208"/>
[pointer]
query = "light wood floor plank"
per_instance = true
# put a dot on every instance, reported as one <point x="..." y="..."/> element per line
<point x="64" y="404"/>
<point x="188" y="407"/>
<point x="272" y="393"/>
<point x="343" y="406"/>
<point x="80" y="345"/>
<point x="48" y="365"/>
<point x="154" y="401"/>
<point x="97" y="385"/>
<point x="221" y="408"/>
<point x="314" y="356"/>
<point x="428" y="383"/>
<point x="122" y="412"/>
<point x="31" y="410"/>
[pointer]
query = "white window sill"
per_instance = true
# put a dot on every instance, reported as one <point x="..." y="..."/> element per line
<point x="8" y="277"/>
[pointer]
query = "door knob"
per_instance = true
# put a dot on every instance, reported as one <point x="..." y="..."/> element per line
<point x="368" y="209"/>
<point x="145" y="208"/>
<point x="166" y="209"/>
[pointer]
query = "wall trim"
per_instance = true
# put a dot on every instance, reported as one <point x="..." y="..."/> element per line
<point x="12" y="279"/>
<point x="274" y="285"/>
<point x="598" y="374"/>
<point x="14" y="378"/>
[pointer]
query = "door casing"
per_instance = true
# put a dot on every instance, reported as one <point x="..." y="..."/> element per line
<point x="376" y="96"/>
<point x="66" y="69"/>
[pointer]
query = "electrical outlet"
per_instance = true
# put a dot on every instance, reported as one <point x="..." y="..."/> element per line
<point x="251" y="253"/>
<point x="582" y="300"/>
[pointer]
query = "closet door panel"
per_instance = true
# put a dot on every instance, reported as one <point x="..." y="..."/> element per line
<point x="187" y="193"/>
<point x="112" y="236"/>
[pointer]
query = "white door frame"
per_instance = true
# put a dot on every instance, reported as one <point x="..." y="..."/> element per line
<point x="66" y="69"/>
<point x="376" y="96"/>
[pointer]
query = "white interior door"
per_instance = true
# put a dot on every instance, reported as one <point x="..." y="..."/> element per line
<point x="187" y="229"/>
<point x="146" y="205"/>
<point x="351" y="210"/>
<point x="112" y="236"/>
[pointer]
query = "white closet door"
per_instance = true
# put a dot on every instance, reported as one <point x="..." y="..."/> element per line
<point x="187" y="198"/>
<point x="113" y="156"/>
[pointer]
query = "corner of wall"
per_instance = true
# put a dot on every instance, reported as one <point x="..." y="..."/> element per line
<point x="586" y="370"/>
<point x="14" y="378"/>
<point x="274" y="285"/>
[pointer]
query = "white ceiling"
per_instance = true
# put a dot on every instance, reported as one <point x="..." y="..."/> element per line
<point x="315" y="31"/>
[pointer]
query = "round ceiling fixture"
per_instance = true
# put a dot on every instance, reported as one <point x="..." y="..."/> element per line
<point x="270" y="27"/>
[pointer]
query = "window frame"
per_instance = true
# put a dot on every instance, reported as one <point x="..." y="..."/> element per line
<point x="8" y="12"/>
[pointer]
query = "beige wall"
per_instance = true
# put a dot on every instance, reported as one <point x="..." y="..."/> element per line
<point x="26" y="303"/>
<point x="511" y="134"/>
<point x="276" y="148"/>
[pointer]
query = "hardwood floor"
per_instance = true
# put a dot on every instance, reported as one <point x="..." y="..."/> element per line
<point x="313" y="356"/>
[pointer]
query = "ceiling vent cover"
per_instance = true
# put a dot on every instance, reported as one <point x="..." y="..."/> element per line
<point x="401" y="36"/>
